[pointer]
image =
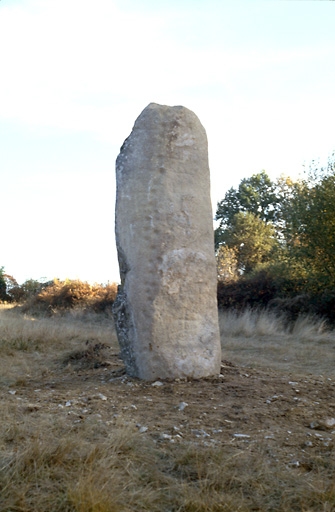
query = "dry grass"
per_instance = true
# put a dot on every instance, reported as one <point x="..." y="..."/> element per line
<point x="264" y="339"/>
<point x="33" y="345"/>
<point x="104" y="471"/>
<point x="92" y="469"/>
<point x="45" y="465"/>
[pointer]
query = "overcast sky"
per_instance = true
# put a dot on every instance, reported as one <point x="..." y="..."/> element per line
<point x="75" y="74"/>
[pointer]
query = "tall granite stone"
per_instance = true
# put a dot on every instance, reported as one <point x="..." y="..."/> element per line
<point x="166" y="308"/>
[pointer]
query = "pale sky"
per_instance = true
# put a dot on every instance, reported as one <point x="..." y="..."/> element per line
<point x="75" y="74"/>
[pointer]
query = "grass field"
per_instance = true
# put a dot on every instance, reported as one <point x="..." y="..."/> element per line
<point x="78" y="435"/>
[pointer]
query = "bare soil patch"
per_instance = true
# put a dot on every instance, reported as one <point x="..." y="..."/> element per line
<point x="78" y="434"/>
<point x="292" y="416"/>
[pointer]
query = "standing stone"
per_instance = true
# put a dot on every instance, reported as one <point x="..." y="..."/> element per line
<point x="166" y="308"/>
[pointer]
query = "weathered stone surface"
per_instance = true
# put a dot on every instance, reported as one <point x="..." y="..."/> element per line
<point x="166" y="309"/>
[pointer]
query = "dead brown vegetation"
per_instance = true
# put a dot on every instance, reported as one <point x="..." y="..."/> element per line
<point x="61" y="296"/>
<point x="78" y="435"/>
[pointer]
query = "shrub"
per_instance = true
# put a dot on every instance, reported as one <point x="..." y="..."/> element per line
<point x="293" y="307"/>
<point x="61" y="296"/>
<point x="253" y="291"/>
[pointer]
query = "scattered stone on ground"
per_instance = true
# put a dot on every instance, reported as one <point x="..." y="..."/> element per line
<point x="246" y="407"/>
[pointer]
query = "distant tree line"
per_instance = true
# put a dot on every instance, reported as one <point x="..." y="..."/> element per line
<point x="11" y="291"/>
<point x="275" y="243"/>
<point x="57" y="297"/>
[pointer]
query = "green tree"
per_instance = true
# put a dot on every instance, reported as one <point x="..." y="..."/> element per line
<point x="3" y="286"/>
<point x="255" y="195"/>
<point x="265" y="199"/>
<point x="252" y="219"/>
<point x="311" y="230"/>
<point x="252" y="239"/>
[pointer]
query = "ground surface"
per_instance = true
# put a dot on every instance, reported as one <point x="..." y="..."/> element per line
<point x="291" y="417"/>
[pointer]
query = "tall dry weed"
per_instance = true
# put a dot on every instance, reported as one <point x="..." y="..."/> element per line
<point x="250" y="323"/>
<point x="32" y="345"/>
<point x="263" y="338"/>
<point x="262" y="322"/>
<point x="28" y="333"/>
